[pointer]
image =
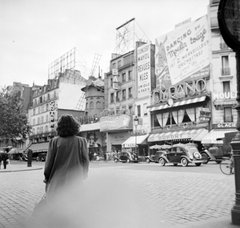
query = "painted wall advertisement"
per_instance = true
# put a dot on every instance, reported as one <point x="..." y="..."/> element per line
<point x="144" y="70"/>
<point x="182" y="53"/>
<point x="110" y="123"/>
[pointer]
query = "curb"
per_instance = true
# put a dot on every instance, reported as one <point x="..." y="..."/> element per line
<point x="19" y="170"/>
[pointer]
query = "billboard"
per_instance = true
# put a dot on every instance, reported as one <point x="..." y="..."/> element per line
<point x="182" y="53"/>
<point x="144" y="70"/>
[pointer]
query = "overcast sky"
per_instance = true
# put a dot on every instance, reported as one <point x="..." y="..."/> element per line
<point x="34" y="33"/>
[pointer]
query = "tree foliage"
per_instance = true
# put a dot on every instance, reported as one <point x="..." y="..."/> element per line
<point x="13" y="119"/>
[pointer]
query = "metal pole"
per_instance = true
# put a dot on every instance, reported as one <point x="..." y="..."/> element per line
<point x="236" y="149"/>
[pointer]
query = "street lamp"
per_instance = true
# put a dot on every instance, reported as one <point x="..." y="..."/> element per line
<point x="135" y="121"/>
<point x="228" y="20"/>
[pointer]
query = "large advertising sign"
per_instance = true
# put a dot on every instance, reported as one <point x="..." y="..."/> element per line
<point x="144" y="70"/>
<point x="110" y="123"/>
<point x="182" y="53"/>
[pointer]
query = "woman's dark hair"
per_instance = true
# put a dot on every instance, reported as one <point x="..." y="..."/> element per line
<point x="67" y="126"/>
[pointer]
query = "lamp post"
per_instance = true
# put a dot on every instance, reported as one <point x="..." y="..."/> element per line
<point x="229" y="25"/>
<point x="135" y="124"/>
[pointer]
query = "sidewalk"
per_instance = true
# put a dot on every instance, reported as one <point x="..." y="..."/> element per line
<point x="16" y="166"/>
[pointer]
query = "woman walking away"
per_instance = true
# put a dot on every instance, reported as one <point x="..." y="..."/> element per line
<point x="67" y="158"/>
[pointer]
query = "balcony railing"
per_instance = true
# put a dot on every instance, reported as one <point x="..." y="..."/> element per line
<point x="226" y="71"/>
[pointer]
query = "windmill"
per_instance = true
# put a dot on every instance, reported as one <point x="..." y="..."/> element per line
<point x="81" y="102"/>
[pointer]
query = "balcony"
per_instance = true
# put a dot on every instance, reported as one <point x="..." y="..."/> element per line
<point x="226" y="71"/>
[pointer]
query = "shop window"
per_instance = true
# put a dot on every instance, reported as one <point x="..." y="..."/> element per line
<point x="156" y="123"/>
<point x="228" y="117"/>
<point x="130" y="108"/>
<point x="170" y="120"/>
<point x="186" y="118"/>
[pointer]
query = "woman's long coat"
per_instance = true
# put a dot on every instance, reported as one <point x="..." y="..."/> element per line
<point x="67" y="160"/>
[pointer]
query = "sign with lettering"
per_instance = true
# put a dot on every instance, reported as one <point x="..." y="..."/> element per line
<point x="144" y="70"/>
<point x="121" y="122"/>
<point x="179" y="91"/>
<point x="224" y="125"/>
<point x="182" y="52"/>
<point x="226" y="95"/>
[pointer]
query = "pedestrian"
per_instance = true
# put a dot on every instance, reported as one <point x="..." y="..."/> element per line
<point x="4" y="159"/>
<point x="67" y="157"/>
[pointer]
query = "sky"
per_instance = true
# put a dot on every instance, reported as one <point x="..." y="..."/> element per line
<point x="35" y="33"/>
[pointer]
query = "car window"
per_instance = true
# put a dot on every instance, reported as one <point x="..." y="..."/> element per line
<point x="173" y="150"/>
<point x="192" y="149"/>
<point x="180" y="150"/>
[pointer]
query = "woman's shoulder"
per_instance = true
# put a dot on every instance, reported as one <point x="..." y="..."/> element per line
<point x="80" y="138"/>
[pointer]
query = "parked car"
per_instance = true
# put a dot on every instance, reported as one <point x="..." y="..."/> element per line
<point x="155" y="157"/>
<point x="183" y="154"/>
<point x="41" y="157"/>
<point x="126" y="157"/>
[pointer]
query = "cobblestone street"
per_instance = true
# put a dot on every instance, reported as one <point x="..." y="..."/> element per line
<point x="168" y="199"/>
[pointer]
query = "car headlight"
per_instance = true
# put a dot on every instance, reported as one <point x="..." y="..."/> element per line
<point x="197" y="155"/>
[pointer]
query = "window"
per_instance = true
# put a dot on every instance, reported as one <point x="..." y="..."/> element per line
<point x="117" y="110"/>
<point x="228" y="114"/>
<point x="33" y="121"/>
<point x="34" y="111"/>
<point x="86" y="106"/>
<point x="119" y="63"/>
<point x="111" y="82"/>
<point x="114" y="65"/>
<point x="145" y="108"/>
<point x="226" y="87"/>
<point x="123" y="77"/>
<point x="225" y="65"/>
<point x="46" y="118"/>
<point x="130" y="108"/>
<point x="118" y="96"/>
<point x="124" y="94"/>
<point x="42" y="119"/>
<point x="98" y="105"/>
<point x="130" y="75"/>
<point x="48" y="96"/>
<point x="130" y="92"/>
<point x="138" y="110"/>
<point x="46" y="128"/>
<point x="40" y="99"/>
<point x="46" y="107"/>
<point x="91" y="105"/>
<point x="112" y="98"/>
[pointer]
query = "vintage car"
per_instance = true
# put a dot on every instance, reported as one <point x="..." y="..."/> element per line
<point x="155" y="157"/>
<point x="126" y="157"/>
<point x="183" y="154"/>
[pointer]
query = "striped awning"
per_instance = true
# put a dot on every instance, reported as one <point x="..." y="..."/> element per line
<point x="176" y="135"/>
<point x="216" y="136"/>
<point x="39" y="147"/>
<point x="178" y="103"/>
<point x="132" y="141"/>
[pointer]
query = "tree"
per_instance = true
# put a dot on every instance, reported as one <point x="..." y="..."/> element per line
<point x="13" y="119"/>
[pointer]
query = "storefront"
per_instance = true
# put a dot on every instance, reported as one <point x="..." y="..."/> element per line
<point x="118" y="129"/>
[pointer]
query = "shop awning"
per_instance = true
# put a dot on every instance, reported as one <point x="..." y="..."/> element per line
<point x="90" y="127"/>
<point x="39" y="147"/>
<point x="199" y="136"/>
<point x="215" y="136"/>
<point x="178" y="103"/>
<point x="225" y="102"/>
<point x="176" y="135"/>
<point x="133" y="140"/>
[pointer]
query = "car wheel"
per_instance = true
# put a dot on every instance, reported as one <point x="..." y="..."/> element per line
<point x="205" y="158"/>
<point x="184" y="162"/>
<point x="115" y="160"/>
<point x="198" y="164"/>
<point x="162" y="162"/>
<point x="148" y="160"/>
<point x="128" y="161"/>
